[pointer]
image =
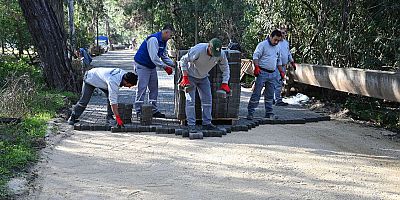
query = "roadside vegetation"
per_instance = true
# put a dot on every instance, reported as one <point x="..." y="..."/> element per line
<point x="361" y="34"/>
<point x="25" y="108"/>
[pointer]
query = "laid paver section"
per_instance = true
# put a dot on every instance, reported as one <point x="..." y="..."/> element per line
<point x="94" y="116"/>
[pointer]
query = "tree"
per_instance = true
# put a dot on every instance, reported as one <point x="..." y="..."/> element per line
<point x="45" y="23"/>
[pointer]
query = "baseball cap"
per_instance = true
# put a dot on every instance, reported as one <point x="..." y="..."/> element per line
<point x="216" y="46"/>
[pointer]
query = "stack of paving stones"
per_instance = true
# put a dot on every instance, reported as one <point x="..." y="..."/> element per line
<point x="125" y="112"/>
<point x="226" y="108"/>
<point x="146" y="117"/>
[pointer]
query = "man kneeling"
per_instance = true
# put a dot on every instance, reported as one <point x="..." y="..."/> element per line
<point x="109" y="80"/>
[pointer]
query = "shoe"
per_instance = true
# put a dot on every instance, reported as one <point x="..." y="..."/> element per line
<point x="281" y="103"/>
<point x="72" y="120"/>
<point x="271" y="116"/>
<point x="210" y="127"/>
<point x="250" y="117"/>
<point x="158" y="115"/>
<point x="192" y="129"/>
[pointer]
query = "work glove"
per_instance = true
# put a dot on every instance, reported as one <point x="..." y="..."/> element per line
<point x="225" y="87"/>
<point x="293" y="65"/>
<point x="119" y="121"/>
<point x="185" y="81"/>
<point x="282" y="75"/>
<point x="257" y="70"/>
<point x="168" y="69"/>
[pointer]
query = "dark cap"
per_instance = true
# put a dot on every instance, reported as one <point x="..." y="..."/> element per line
<point x="216" y="46"/>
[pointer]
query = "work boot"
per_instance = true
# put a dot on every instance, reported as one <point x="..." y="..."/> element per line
<point x="158" y="115"/>
<point x="72" y="120"/>
<point x="271" y="116"/>
<point x="192" y="129"/>
<point x="211" y="127"/>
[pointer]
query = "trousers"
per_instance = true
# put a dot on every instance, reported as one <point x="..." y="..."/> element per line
<point x="147" y="79"/>
<point x="87" y="92"/>
<point x="264" y="79"/>
<point x="204" y="88"/>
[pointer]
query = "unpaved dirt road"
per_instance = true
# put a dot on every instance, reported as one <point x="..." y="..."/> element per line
<point x="324" y="160"/>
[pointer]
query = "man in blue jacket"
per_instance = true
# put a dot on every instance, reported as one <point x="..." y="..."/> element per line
<point x="152" y="54"/>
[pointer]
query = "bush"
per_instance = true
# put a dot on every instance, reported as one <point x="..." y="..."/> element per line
<point x="16" y="96"/>
<point x="11" y="67"/>
<point x="20" y="96"/>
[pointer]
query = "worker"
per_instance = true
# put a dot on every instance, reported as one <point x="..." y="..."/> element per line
<point x="86" y="59"/>
<point x="150" y="55"/>
<point x="286" y="58"/>
<point x="109" y="80"/>
<point x="266" y="60"/>
<point x="195" y="66"/>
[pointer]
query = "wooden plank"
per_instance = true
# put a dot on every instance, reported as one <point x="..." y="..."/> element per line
<point x="371" y="83"/>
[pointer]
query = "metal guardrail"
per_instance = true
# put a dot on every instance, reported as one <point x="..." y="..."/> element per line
<point x="371" y="83"/>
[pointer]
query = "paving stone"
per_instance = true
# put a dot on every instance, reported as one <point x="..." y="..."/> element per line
<point x="116" y="130"/>
<point x="77" y="126"/>
<point x="198" y="135"/>
<point x="185" y="133"/>
<point x="212" y="133"/>
<point x="223" y="131"/>
<point x="85" y="127"/>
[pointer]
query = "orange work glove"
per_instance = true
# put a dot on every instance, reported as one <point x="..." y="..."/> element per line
<point x="119" y="121"/>
<point x="282" y="74"/>
<point x="185" y="81"/>
<point x="257" y="70"/>
<point x="225" y="87"/>
<point x="168" y="69"/>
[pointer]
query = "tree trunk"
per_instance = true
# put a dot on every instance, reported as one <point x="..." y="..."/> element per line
<point x="71" y="25"/>
<point x="44" y="20"/>
<point x="2" y="45"/>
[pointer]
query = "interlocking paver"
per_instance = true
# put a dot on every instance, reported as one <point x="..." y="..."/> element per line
<point x="94" y="116"/>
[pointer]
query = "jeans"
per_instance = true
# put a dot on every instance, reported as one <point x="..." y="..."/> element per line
<point x="147" y="78"/>
<point x="264" y="79"/>
<point x="278" y="85"/>
<point x="204" y="88"/>
<point x="87" y="91"/>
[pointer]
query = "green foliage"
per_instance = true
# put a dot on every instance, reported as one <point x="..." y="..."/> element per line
<point x="343" y="33"/>
<point x="19" y="142"/>
<point x="14" y="34"/>
<point x="13" y="67"/>
<point x="384" y="115"/>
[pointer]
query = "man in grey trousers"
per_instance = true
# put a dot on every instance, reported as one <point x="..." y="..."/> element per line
<point x="266" y="60"/>
<point x="109" y="80"/>
<point x="195" y="66"/>
<point x="152" y="54"/>
<point x="286" y="58"/>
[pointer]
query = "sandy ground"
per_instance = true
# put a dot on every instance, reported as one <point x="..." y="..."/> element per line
<point x="324" y="160"/>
